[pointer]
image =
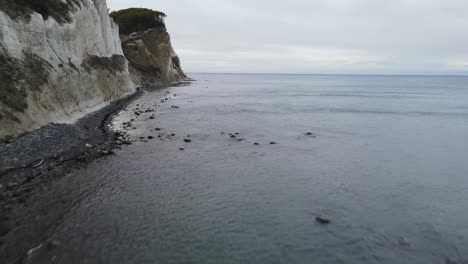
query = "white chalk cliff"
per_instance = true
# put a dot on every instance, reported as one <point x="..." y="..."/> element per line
<point x="55" y="71"/>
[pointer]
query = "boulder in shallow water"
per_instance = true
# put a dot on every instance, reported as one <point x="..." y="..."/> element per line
<point x="322" y="220"/>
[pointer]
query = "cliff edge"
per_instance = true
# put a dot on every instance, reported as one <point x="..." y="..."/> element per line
<point x="147" y="46"/>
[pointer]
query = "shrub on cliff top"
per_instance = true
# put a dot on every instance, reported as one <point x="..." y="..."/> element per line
<point x="137" y="19"/>
<point x="59" y="10"/>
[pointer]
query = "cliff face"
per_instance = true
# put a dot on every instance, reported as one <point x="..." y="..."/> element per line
<point x="54" y="71"/>
<point x="147" y="46"/>
<point x="152" y="60"/>
<point x="60" y="59"/>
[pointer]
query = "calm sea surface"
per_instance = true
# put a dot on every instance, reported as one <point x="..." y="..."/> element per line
<point x="387" y="163"/>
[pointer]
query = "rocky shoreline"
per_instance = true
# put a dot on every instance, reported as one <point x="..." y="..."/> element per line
<point x="30" y="163"/>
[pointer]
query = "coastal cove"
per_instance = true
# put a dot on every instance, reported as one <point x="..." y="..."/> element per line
<point x="202" y="181"/>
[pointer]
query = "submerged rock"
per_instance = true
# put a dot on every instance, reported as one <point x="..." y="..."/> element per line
<point x="322" y="220"/>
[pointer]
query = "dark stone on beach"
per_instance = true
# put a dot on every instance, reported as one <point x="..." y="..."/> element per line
<point x="105" y="152"/>
<point x="4" y="230"/>
<point x="181" y="148"/>
<point x="175" y="106"/>
<point x="173" y="134"/>
<point x="54" y="244"/>
<point x="309" y="134"/>
<point x="126" y="142"/>
<point x="11" y="185"/>
<point x="29" y="177"/>
<point x="137" y="113"/>
<point x="187" y="140"/>
<point x="256" y="144"/>
<point x="322" y="220"/>
<point x="222" y="133"/>
<point x="157" y="129"/>
<point x="273" y="143"/>
<point x="151" y="117"/>
<point x="237" y="133"/>
<point x="233" y="136"/>
<point x="240" y="139"/>
<point x="150" y="137"/>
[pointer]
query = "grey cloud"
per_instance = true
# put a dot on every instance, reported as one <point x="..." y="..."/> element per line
<point x="321" y="36"/>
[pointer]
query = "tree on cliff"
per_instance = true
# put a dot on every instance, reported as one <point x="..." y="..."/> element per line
<point x="58" y="9"/>
<point x="137" y="19"/>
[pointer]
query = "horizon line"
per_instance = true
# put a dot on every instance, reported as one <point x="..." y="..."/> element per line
<point x="344" y="74"/>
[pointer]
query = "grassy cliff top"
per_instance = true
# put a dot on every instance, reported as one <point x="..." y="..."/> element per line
<point x="57" y="9"/>
<point x="137" y="19"/>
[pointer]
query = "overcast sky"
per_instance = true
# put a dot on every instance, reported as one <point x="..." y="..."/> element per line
<point x="316" y="36"/>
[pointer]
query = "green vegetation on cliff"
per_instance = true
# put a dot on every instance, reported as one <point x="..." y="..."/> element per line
<point x="137" y="19"/>
<point x="59" y="10"/>
<point x="16" y="77"/>
<point x="113" y="64"/>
